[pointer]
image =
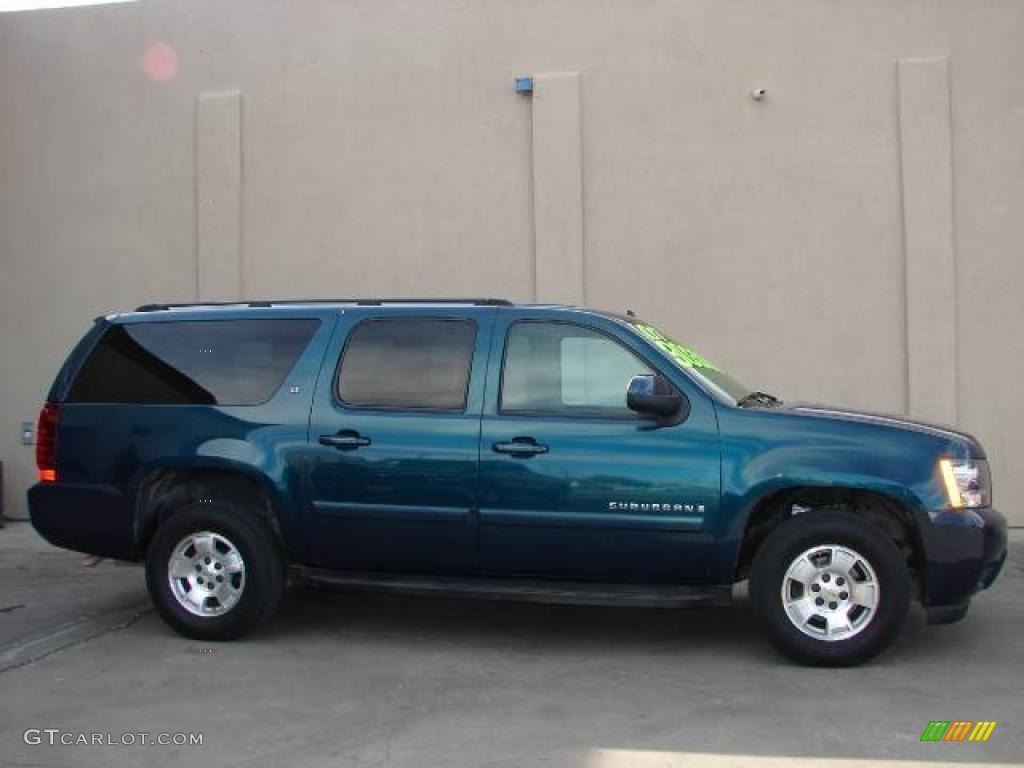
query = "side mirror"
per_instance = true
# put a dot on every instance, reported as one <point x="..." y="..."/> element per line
<point x="653" y="395"/>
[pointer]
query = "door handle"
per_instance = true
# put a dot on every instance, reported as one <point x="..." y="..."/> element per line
<point x="345" y="440"/>
<point x="523" y="447"/>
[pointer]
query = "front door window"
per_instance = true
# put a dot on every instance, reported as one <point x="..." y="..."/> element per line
<point x="566" y="369"/>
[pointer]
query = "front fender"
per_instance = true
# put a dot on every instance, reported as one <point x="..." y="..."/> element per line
<point x="765" y="452"/>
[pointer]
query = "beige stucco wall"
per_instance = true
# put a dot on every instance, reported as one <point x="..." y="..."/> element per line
<point x="835" y="242"/>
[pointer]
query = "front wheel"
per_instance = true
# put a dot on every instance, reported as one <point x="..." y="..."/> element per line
<point x="214" y="571"/>
<point x="830" y="589"/>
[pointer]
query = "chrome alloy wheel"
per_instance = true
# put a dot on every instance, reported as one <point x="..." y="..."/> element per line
<point x="830" y="592"/>
<point x="206" y="574"/>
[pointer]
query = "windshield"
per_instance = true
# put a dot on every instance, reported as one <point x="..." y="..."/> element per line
<point x="696" y="365"/>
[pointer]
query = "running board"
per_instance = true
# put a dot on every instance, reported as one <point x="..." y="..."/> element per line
<point x="518" y="590"/>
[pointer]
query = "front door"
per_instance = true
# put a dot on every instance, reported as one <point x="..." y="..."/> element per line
<point x="394" y="440"/>
<point x="574" y="484"/>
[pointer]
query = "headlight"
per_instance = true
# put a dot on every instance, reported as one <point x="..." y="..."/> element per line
<point x="967" y="482"/>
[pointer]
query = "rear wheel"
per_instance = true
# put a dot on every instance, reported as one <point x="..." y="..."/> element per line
<point x="829" y="588"/>
<point x="214" y="571"/>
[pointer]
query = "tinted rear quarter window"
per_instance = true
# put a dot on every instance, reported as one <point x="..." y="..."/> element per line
<point x="205" y="362"/>
<point x="408" y="363"/>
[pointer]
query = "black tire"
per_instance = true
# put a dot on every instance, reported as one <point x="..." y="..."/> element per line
<point x="264" y="569"/>
<point x="813" y="529"/>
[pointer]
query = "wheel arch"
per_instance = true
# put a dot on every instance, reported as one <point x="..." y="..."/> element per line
<point x="166" y="489"/>
<point x="890" y="512"/>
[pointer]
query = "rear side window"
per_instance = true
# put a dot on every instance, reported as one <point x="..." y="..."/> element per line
<point x="200" y="362"/>
<point x="408" y="363"/>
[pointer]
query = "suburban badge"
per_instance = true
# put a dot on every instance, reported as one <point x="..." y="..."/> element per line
<point x="643" y="506"/>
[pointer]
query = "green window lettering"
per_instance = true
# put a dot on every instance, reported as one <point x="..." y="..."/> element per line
<point x="682" y="355"/>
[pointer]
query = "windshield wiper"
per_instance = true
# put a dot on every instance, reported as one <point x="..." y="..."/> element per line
<point x="758" y="398"/>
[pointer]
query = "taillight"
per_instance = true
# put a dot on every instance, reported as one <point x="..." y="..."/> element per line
<point x="46" y="443"/>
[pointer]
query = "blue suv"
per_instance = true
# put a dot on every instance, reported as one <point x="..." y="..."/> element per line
<point x="490" y="449"/>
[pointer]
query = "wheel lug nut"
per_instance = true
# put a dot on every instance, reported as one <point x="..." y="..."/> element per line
<point x="209" y="585"/>
<point x="199" y="579"/>
<point x="840" y="581"/>
<point x="218" y="566"/>
<point x="833" y="605"/>
<point x="815" y="587"/>
<point x="220" y="578"/>
<point x="825" y="577"/>
<point x="819" y="601"/>
<point x="199" y="567"/>
<point x="843" y="595"/>
<point x="206" y="560"/>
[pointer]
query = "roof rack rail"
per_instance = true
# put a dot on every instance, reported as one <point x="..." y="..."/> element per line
<point x="287" y="302"/>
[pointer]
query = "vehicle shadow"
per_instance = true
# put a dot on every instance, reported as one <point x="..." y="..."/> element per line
<point x="720" y="631"/>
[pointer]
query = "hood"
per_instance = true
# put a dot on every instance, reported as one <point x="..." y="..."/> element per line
<point x="888" y="420"/>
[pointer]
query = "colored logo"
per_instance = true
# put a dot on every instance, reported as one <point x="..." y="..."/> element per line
<point x="958" y="730"/>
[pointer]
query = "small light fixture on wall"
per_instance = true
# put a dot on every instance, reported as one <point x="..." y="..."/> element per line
<point x="759" y="94"/>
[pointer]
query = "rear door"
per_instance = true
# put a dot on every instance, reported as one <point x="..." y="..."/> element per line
<point x="394" y="439"/>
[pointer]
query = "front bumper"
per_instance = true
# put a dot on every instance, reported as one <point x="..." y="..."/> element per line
<point x="963" y="553"/>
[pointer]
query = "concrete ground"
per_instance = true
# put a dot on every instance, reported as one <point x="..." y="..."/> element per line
<point x="364" y="680"/>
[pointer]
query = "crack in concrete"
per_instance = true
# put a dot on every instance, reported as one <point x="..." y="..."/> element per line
<point x="75" y="634"/>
